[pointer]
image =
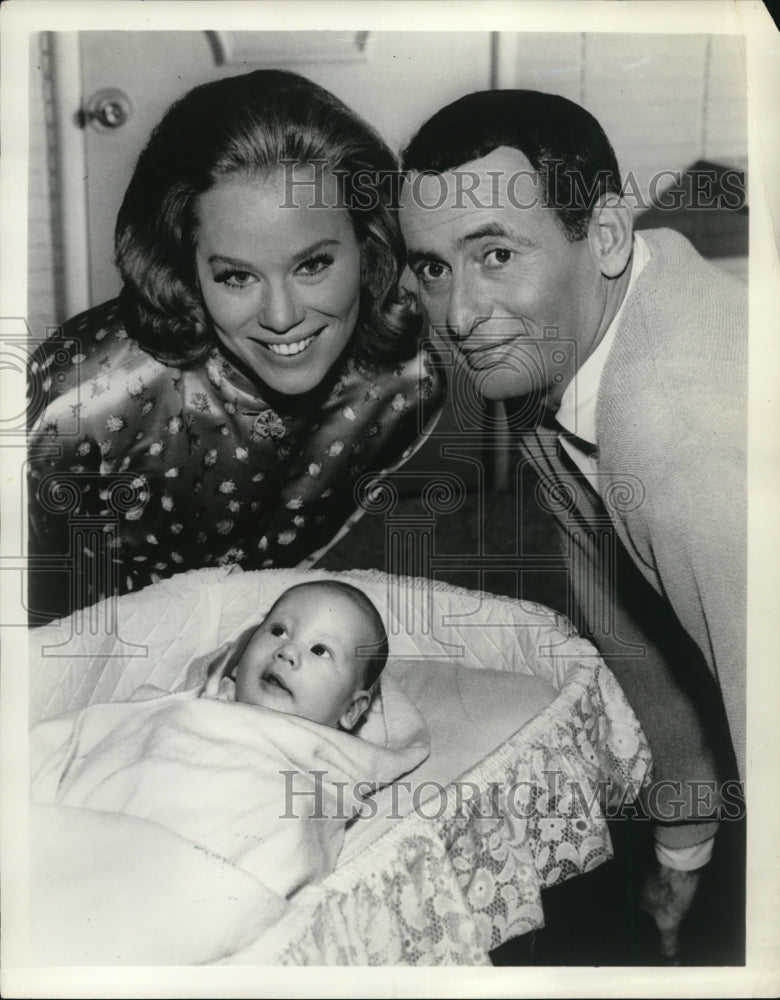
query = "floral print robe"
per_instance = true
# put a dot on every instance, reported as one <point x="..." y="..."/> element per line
<point x="139" y="470"/>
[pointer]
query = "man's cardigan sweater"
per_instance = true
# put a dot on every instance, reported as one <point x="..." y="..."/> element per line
<point x="671" y="423"/>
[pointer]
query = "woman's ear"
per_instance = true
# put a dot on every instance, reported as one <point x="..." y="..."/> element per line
<point x="611" y="234"/>
<point x="358" y="706"/>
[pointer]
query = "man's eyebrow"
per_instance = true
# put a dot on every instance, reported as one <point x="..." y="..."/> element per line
<point x="494" y="229"/>
<point x="416" y="256"/>
<point x="489" y="229"/>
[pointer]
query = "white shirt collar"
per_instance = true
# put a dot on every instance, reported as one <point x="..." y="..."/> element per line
<point x="577" y="412"/>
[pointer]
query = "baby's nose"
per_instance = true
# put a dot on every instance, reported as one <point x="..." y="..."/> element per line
<point x="290" y="653"/>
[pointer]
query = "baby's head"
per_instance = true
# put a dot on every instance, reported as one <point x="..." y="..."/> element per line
<point x="306" y="659"/>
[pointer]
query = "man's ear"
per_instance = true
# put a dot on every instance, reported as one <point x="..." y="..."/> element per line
<point x="611" y="234"/>
<point x="357" y="707"/>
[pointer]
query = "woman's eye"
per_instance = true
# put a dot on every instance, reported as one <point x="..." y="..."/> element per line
<point x="315" y="265"/>
<point x="234" y="279"/>
<point x="320" y="650"/>
<point x="498" y="257"/>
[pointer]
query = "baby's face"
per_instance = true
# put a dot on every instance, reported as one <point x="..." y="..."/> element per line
<point x="301" y="660"/>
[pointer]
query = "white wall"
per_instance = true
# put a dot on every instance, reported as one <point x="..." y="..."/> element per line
<point x="664" y="100"/>
<point x="43" y="249"/>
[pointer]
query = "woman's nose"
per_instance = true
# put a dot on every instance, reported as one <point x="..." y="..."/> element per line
<point x="280" y="308"/>
<point x="289" y="653"/>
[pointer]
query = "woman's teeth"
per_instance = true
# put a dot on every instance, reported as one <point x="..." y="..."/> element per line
<point x="294" y="348"/>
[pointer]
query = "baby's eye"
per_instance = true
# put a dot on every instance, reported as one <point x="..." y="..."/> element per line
<point x="277" y="630"/>
<point x="320" y="650"/>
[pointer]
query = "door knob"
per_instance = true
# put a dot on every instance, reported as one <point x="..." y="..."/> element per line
<point x="107" y="109"/>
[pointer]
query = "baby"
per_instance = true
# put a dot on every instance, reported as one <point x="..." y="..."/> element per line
<point x="317" y="654"/>
<point x="270" y="736"/>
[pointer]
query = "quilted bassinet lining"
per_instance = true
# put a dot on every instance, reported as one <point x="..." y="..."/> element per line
<point x="427" y="891"/>
<point x="89" y="658"/>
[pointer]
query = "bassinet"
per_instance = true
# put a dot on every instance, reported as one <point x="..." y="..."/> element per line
<point x="461" y="874"/>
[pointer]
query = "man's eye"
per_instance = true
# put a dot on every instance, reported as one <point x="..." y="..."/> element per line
<point x="498" y="257"/>
<point x="320" y="650"/>
<point x="432" y="274"/>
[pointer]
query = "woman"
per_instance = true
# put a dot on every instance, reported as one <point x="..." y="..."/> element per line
<point x="258" y="362"/>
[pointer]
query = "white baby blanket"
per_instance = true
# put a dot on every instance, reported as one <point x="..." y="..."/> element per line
<point x="268" y="792"/>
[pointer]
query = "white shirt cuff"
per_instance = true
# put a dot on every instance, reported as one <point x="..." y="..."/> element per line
<point x="685" y="859"/>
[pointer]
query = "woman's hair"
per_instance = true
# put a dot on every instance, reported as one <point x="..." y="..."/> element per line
<point x="243" y="125"/>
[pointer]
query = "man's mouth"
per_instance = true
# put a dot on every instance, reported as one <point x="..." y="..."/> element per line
<point x="293" y="348"/>
<point x="482" y="346"/>
<point x="483" y="351"/>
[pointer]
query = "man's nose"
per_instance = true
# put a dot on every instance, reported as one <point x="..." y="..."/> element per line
<point x="463" y="311"/>
<point x="280" y="308"/>
<point x="289" y="653"/>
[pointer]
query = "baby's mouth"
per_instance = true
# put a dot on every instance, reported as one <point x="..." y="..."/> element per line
<point x="272" y="680"/>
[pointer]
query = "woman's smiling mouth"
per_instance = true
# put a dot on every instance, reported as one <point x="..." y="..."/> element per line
<point x="290" y="349"/>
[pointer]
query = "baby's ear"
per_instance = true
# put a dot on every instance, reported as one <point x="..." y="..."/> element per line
<point x="358" y="706"/>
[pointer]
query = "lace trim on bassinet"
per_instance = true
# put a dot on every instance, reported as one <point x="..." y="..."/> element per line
<point x="447" y="889"/>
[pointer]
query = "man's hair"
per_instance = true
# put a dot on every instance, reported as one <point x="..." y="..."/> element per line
<point x="242" y="126"/>
<point x="561" y="140"/>
<point x="376" y="660"/>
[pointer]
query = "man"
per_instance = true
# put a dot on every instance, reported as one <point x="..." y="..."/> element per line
<point x="623" y="357"/>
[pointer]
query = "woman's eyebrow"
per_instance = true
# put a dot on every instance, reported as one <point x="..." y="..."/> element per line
<point x="238" y="262"/>
<point x="220" y="258"/>
<point x="303" y="254"/>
